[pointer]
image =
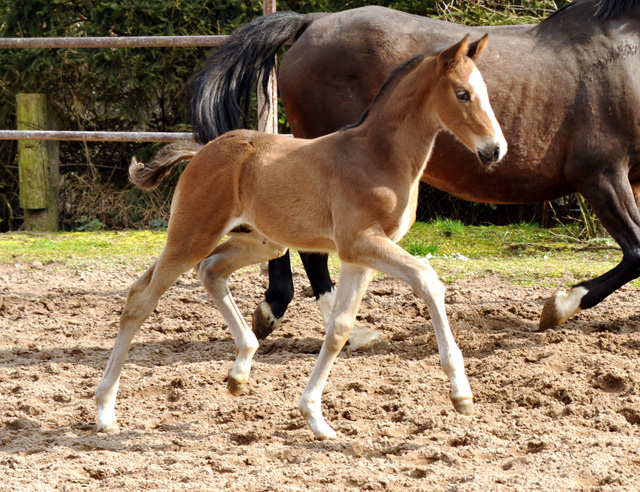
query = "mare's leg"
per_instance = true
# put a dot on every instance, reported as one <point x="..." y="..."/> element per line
<point x="382" y="254"/>
<point x="240" y="250"/>
<point x="316" y="266"/>
<point x="353" y="282"/>
<point x="141" y="301"/>
<point x="612" y="199"/>
<point x="268" y="315"/>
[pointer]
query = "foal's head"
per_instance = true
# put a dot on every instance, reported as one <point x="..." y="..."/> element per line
<point x="462" y="102"/>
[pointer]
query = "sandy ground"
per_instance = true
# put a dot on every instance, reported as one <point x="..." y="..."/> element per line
<point x="555" y="411"/>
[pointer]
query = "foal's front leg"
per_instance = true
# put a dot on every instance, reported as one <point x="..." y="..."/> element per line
<point x="351" y="286"/>
<point x="316" y="266"/>
<point x="382" y="254"/>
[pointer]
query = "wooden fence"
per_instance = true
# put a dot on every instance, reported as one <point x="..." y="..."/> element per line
<point x="38" y="149"/>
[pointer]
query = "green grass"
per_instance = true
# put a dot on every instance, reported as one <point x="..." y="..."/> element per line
<point x="420" y="247"/>
<point x="78" y="249"/>
<point x="524" y="254"/>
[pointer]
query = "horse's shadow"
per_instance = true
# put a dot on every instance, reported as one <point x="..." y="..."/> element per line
<point x="506" y="332"/>
<point x="23" y="433"/>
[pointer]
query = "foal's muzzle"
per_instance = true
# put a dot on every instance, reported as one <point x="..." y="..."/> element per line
<point x="490" y="154"/>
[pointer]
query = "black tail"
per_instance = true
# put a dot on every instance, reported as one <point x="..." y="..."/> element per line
<point x="221" y="89"/>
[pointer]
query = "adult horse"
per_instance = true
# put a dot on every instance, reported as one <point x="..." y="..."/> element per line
<point x="566" y="93"/>
<point x="353" y="192"/>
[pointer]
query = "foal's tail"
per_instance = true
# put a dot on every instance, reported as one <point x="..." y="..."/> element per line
<point x="220" y="92"/>
<point x="148" y="176"/>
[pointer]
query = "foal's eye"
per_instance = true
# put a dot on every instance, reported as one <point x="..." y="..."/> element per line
<point x="463" y="95"/>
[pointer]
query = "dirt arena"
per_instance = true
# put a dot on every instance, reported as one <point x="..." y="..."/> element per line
<point x="555" y="411"/>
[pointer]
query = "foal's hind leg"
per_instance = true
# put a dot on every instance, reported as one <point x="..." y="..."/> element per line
<point x="141" y="301"/>
<point x="240" y="250"/>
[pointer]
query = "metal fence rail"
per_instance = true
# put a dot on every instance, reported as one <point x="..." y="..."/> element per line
<point x="79" y="136"/>
<point x="110" y="43"/>
<point x="113" y="42"/>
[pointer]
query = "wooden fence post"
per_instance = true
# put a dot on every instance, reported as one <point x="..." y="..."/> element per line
<point x="268" y="110"/>
<point x="38" y="164"/>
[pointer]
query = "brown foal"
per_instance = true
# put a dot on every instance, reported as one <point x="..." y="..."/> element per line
<point x="352" y="192"/>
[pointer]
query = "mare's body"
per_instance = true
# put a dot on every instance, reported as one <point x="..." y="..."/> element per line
<point x="566" y="92"/>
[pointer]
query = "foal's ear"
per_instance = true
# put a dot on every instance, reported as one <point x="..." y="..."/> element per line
<point x="448" y="55"/>
<point x="478" y="47"/>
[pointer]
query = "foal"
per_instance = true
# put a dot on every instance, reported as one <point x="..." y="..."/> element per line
<point x="353" y="192"/>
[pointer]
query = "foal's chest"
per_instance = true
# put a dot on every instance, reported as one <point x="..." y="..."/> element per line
<point x="408" y="216"/>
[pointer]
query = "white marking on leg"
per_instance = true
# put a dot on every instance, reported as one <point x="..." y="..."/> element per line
<point x="237" y="252"/>
<point x="569" y="304"/>
<point x="451" y="360"/>
<point x="360" y="337"/>
<point x="141" y="301"/>
<point x="353" y="281"/>
<point x="244" y="338"/>
<point x="424" y="280"/>
<point x="107" y="421"/>
<point x="326" y="302"/>
<point x="268" y="316"/>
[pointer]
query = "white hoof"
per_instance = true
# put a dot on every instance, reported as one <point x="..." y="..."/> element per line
<point x="109" y="428"/>
<point x="362" y="338"/>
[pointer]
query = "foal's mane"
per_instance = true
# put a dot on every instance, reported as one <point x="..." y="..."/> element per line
<point x="605" y="9"/>
<point x="398" y="73"/>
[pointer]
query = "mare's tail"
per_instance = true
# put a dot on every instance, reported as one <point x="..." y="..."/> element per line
<point x="220" y="92"/>
<point x="148" y="176"/>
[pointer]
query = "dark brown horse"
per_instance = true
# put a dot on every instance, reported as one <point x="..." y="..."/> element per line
<point x="566" y="92"/>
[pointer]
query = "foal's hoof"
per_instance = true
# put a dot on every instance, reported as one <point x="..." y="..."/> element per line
<point x="234" y="386"/>
<point x="263" y="322"/>
<point x="550" y="316"/>
<point x="463" y="405"/>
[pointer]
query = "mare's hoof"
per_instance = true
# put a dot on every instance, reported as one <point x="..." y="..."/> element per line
<point x="550" y="316"/>
<point x="325" y="435"/>
<point x="362" y="338"/>
<point x="463" y="405"/>
<point x="263" y="322"/>
<point x="112" y="428"/>
<point x="234" y="387"/>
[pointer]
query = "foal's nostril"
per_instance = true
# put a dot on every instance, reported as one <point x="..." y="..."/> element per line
<point x="496" y="153"/>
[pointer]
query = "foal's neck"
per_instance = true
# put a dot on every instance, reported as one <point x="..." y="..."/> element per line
<point x="400" y="125"/>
